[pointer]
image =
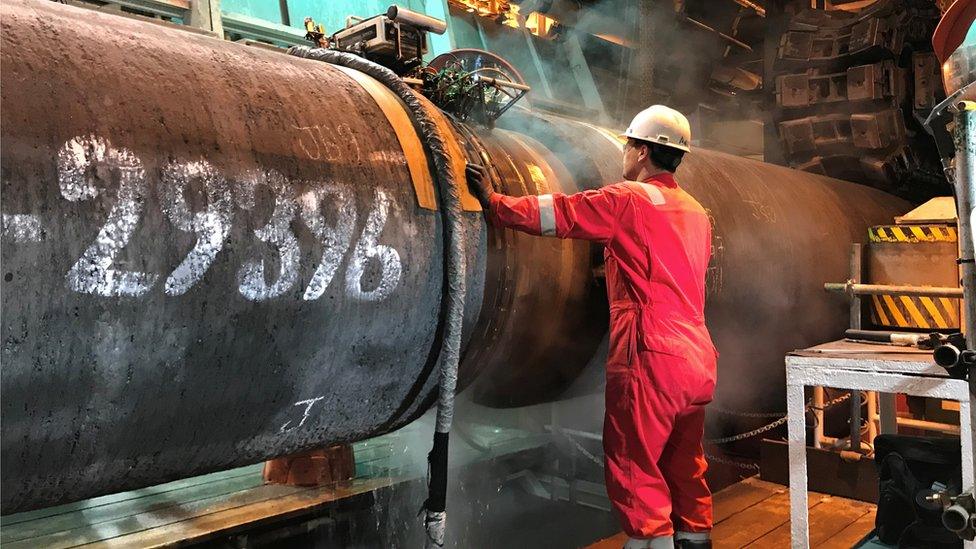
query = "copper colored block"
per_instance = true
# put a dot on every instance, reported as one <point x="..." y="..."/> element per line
<point x="312" y="468"/>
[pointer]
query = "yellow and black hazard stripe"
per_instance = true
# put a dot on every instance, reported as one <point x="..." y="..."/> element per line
<point x="912" y="233"/>
<point x="902" y="311"/>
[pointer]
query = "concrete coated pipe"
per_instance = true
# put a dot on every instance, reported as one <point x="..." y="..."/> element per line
<point x="214" y="254"/>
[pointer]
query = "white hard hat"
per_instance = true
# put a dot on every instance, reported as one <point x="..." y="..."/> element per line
<point x="661" y="125"/>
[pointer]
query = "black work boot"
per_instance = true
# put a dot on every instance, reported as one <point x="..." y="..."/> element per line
<point x="693" y="544"/>
<point x="692" y="540"/>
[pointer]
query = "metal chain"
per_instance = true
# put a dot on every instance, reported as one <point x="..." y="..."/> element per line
<point x="739" y="464"/>
<point x="833" y="402"/>
<point x="749" y="434"/>
<point x="773" y="425"/>
<point x="586" y="453"/>
<point x="579" y="447"/>
<point x="729" y="412"/>
<point x="725" y="440"/>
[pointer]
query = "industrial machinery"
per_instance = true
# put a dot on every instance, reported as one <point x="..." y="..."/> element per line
<point x="397" y="39"/>
<point x="852" y="89"/>
<point x="199" y="233"/>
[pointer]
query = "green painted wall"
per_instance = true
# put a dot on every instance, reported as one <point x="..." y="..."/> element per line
<point x="262" y="9"/>
<point x="548" y="69"/>
<point x="465" y="31"/>
<point x="332" y="14"/>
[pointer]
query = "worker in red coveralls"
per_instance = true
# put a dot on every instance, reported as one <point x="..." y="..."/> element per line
<point x="661" y="362"/>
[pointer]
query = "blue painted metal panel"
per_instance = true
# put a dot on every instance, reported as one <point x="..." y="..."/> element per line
<point x="262" y="9"/>
<point x="332" y="14"/>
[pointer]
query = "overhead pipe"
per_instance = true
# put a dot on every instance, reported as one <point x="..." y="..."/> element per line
<point x="852" y="288"/>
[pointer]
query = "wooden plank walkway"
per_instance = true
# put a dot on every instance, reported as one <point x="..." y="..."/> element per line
<point x="756" y="514"/>
<point x="174" y="513"/>
<point x="215" y="505"/>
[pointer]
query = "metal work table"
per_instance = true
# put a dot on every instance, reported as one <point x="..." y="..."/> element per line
<point x="860" y="366"/>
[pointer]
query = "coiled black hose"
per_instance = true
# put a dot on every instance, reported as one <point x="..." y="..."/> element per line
<point x="436" y="516"/>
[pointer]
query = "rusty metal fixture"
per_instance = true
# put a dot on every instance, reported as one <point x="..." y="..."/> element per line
<point x="760" y="11"/>
<point x="214" y="255"/>
<point x="959" y="70"/>
<point x="316" y="467"/>
<point x="958" y="58"/>
<point x="852" y="289"/>
<point x="730" y="39"/>
<point x="842" y="84"/>
<point x="736" y="77"/>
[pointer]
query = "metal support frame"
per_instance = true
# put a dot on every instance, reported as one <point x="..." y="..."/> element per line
<point x="482" y="37"/>
<point x="439" y="43"/>
<point x="965" y="190"/>
<point x="888" y="410"/>
<point x="168" y="8"/>
<point x="584" y="78"/>
<point x="259" y="29"/>
<point x="857" y="277"/>
<point x="205" y="14"/>
<point x="854" y="289"/>
<point x="537" y="61"/>
<point x="958" y="151"/>
<point x="845" y="373"/>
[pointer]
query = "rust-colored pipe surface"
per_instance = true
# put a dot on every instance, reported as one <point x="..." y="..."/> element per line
<point x="214" y="254"/>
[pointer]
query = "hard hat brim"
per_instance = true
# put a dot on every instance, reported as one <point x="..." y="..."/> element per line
<point x="684" y="148"/>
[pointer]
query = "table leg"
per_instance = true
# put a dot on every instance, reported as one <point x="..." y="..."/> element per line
<point x="799" y="528"/>
<point x="966" y="443"/>
<point x="818" y="416"/>
<point x="889" y="413"/>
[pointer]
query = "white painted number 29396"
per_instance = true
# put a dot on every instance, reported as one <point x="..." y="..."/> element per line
<point x="277" y="233"/>
<point x="368" y="248"/>
<point x="211" y="225"/>
<point x="78" y="162"/>
<point x="83" y="161"/>
<point x="335" y="239"/>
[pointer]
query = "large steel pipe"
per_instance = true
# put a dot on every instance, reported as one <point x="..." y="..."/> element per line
<point x="214" y="254"/>
<point x="778" y="236"/>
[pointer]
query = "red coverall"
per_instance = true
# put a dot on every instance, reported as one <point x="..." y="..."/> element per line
<point x="661" y="362"/>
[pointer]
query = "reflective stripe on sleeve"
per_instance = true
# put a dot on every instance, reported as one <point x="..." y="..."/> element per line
<point x="547" y="215"/>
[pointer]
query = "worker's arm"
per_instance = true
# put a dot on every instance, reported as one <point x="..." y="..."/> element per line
<point x="589" y="215"/>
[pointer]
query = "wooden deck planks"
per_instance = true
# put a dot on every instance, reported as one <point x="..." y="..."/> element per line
<point x="853" y="533"/>
<point x="111" y="514"/>
<point x="756" y="514"/>
<point x="740" y="496"/>
<point x="154" y="519"/>
<point x="751" y="524"/>
<point x="751" y="513"/>
<point x="84" y="505"/>
<point x="200" y="527"/>
<point x="830" y="516"/>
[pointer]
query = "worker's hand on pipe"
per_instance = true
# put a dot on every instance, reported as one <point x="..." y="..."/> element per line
<point x="478" y="183"/>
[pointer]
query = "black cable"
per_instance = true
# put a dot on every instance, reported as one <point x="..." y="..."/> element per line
<point x="436" y="504"/>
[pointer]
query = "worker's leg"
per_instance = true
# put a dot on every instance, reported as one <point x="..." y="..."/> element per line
<point x="636" y="427"/>
<point x="683" y="465"/>
<point x="665" y="542"/>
